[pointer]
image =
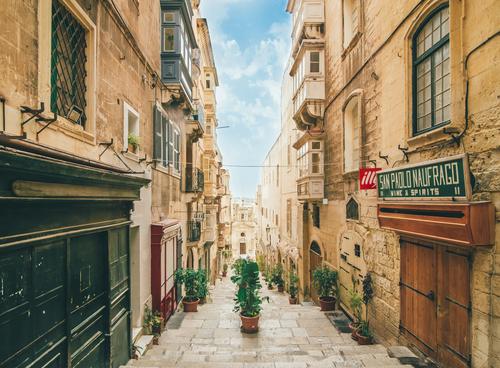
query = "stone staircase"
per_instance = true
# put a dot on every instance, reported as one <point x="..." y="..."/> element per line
<point x="290" y="336"/>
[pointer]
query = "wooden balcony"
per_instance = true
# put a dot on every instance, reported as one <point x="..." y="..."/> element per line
<point x="310" y="188"/>
<point x="309" y="103"/>
<point x="308" y="21"/>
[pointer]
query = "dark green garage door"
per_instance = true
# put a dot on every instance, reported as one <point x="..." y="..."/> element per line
<point x="65" y="303"/>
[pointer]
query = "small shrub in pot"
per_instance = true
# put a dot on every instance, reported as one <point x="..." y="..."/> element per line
<point x="325" y="281"/>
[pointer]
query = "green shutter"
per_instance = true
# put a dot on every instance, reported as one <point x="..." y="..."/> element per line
<point x="164" y="126"/>
<point x="157" y="140"/>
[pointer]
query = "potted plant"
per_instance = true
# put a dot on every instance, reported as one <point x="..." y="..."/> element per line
<point x="133" y="142"/>
<point x="277" y="277"/>
<point x="247" y="299"/>
<point x="189" y="278"/>
<point x="269" y="280"/>
<point x="202" y="286"/>
<point x="363" y="333"/>
<point x="325" y="281"/>
<point x="224" y="270"/>
<point x="237" y="265"/>
<point x="156" y="326"/>
<point x="293" y="288"/>
<point x="356" y="303"/>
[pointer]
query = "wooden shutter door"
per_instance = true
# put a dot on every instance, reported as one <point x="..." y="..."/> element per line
<point x="315" y="261"/>
<point x="454" y="308"/>
<point x="418" y="295"/>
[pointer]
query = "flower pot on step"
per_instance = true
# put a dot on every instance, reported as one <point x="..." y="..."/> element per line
<point x="281" y="289"/>
<point x="327" y="303"/>
<point x="292" y="300"/>
<point x="363" y="340"/>
<point x="224" y="274"/>
<point x="190" y="306"/>
<point x="354" y="327"/>
<point x="249" y="324"/>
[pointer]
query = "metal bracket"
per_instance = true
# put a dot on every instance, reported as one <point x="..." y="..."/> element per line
<point x="34" y="112"/>
<point x="405" y="152"/>
<point x="373" y="162"/>
<point x="453" y="134"/>
<point x="48" y="121"/>
<point x="144" y="158"/>
<point x="384" y="157"/>
<point x="107" y="144"/>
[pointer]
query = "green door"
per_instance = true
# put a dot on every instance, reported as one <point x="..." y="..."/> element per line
<point x="88" y="300"/>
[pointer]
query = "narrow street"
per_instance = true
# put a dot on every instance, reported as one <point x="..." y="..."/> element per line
<point x="290" y="336"/>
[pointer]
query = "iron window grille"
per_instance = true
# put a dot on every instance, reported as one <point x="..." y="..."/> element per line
<point x="68" y="64"/>
<point x="431" y="72"/>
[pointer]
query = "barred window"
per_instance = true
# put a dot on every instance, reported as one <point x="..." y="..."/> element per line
<point x="68" y="65"/>
<point x="352" y="209"/>
<point x="431" y="72"/>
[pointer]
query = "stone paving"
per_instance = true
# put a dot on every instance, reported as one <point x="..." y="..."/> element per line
<point x="290" y="336"/>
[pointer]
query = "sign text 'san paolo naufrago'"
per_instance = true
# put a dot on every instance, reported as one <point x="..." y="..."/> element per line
<point x="443" y="178"/>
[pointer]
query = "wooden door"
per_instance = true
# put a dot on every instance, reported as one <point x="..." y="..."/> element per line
<point x="243" y="248"/>
<point x="315" y="260"/>
<point x="435" y="301"/>
<point x="418" y="285"/>
<point x="454" y="309"/>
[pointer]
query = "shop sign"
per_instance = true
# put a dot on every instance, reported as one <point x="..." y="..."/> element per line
<point x="443" y="178"/>
<point x="368" y="178"/>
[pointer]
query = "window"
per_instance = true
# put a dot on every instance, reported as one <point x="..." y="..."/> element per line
<point x="277" y="175"/>
<point x="130" y="128"/>
<point x="316" y="216"/>
<point x="168" y="39"/>
<point x="314" y="62"/>
<point x="209" y="129"/>
<point x="352" y="140"/>
<point x="68" y="65"/>
<point x="168" y="17"/>
<point x="309" y="159"/>
<point x="431" y="72"/>
<point x="207" y="81"/>
<point x="167" y="141"/>
<point x="352" y="209"/>
<point x="351" y="11"/>
<point x="357" y="250"/>
<point x="289" y="216"/>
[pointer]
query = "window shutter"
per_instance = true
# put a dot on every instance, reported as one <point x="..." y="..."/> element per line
<point x="170" y="143"/>
<point x="164" y="125"/>
<point x="157" y="133"/>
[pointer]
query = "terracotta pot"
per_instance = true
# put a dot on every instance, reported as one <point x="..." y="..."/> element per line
<point x="292" y="300"/>
<point x="249" y="324"/>
<point x="190" y="306"/>
<point x="363" y="340"/>
<point x="327" y="303"/>
<point x="224" y="273"/>
<point x="269" y="287"/>
<point x="354" y="327"/>
<point x="281" y="289"/>
<point x="156" y="340"/>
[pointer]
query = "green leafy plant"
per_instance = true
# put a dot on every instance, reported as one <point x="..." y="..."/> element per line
<point x="190" y="279"/>
<point x="133" y="140"/>
<point x="152" y="321"/>
<point x="277" y="276"/>
<point x="364" y="329"/>
<point x="325" y="281"/>
<point x="237" y="266"/>
<point x="356" y="304"/>
<point x="248" y="301"/>
<point x="293" y="287"/>
<point x="202" y="284"/>
<point x="225" y="267"/>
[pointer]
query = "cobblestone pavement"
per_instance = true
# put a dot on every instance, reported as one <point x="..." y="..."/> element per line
<point x="290" y="336"/>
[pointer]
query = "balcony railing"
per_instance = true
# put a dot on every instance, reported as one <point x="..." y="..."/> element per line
<point x="195" y="180"/>
<point x="194" y="231"/>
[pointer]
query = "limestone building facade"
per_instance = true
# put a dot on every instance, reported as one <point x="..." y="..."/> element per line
<point x="402" y="87"/>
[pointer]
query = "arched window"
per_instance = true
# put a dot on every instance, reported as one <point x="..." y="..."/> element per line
<point x="315" y="248"/>
<point x="352" y="209"/>
<point x="352" y="135"/>
<point x="431" y="72"/>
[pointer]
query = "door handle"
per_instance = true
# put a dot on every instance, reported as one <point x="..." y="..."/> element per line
<point x="430" y="295"/>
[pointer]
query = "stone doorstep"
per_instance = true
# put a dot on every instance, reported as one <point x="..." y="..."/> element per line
<point x="143" y="344"/>
<point x="405" y="356"/>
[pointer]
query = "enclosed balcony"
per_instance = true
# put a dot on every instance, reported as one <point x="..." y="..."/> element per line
<point x="308" y="88"/>
<point x="195" y="180"/>
<point x="194" y="231"/>
<point x="310" y="163"/>
<point x="308" y="21"/>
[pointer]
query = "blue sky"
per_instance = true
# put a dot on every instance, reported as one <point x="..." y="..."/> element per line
<point x="251" y="42"/>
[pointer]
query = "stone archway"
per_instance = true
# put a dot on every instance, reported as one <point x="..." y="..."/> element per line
<point x="315" y="260"/>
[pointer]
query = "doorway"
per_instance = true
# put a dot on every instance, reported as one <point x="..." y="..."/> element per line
<point x="315" y="260"/>
<point x="435" y="304"/>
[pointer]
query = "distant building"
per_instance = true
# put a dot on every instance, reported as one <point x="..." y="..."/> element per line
<point x="243" y="228"/>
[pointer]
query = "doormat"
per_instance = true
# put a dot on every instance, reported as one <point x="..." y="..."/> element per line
<point x="340" y="321"/>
